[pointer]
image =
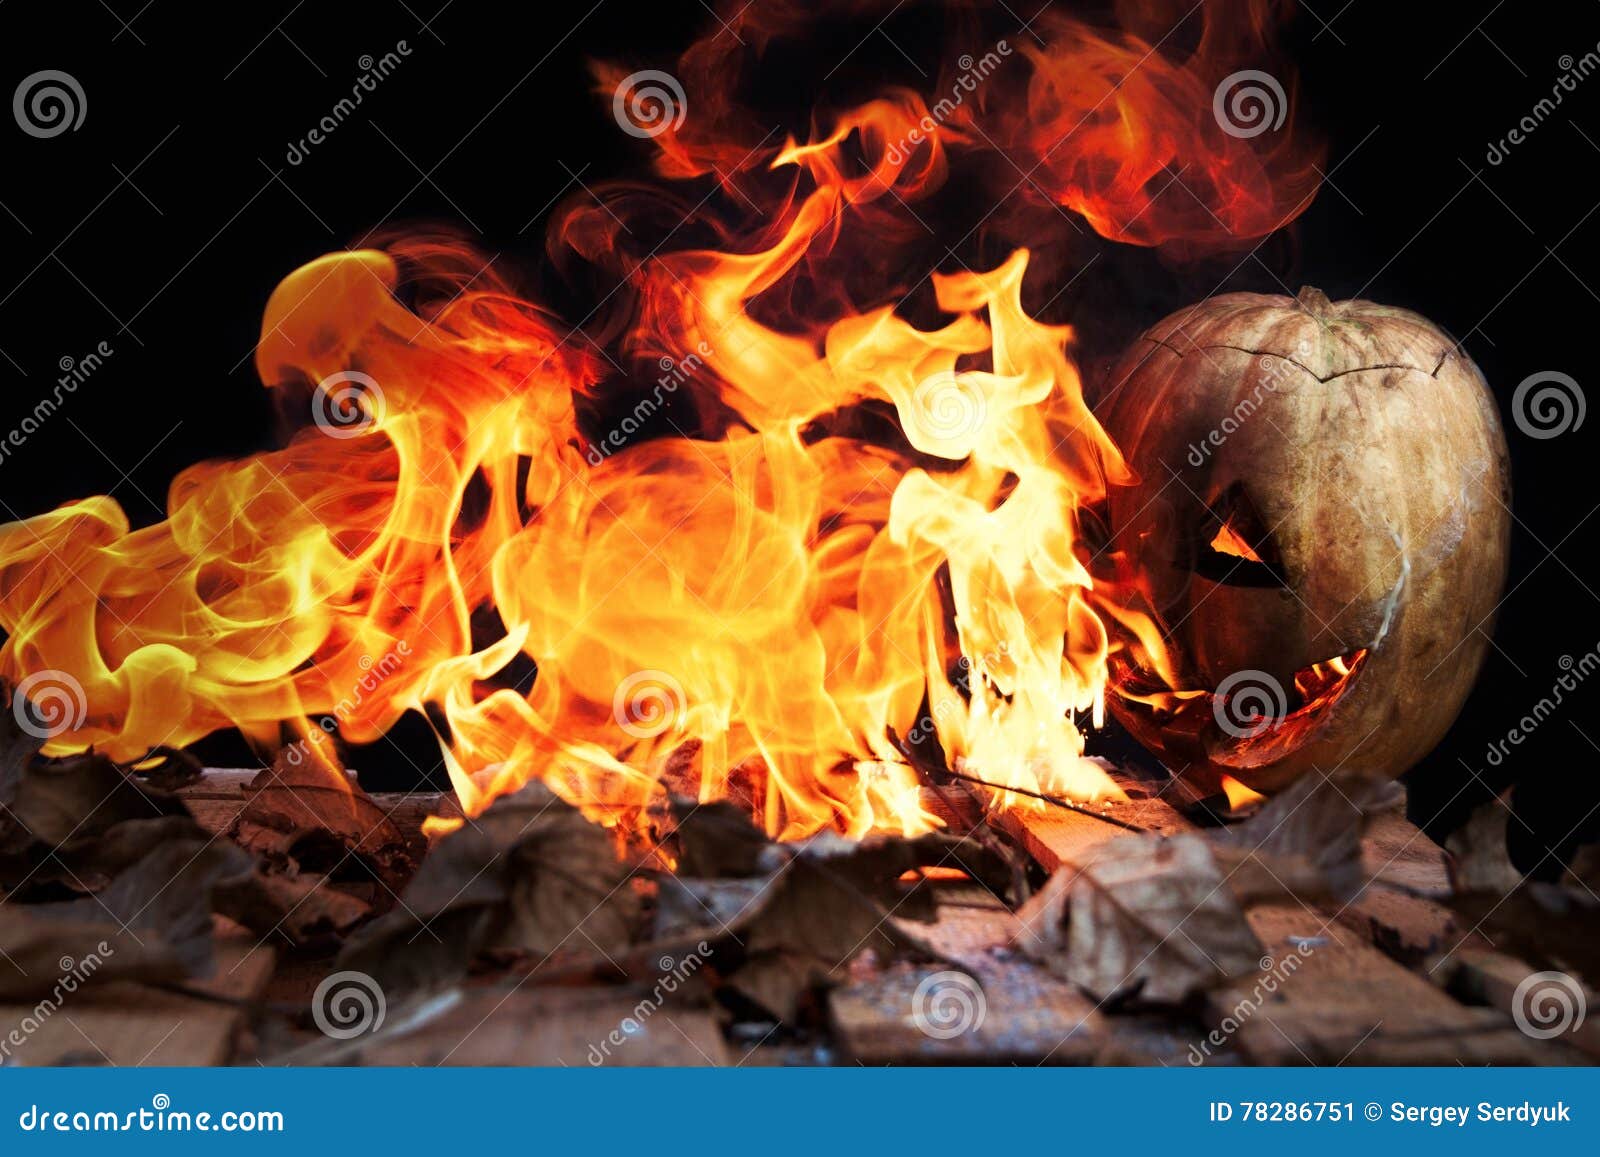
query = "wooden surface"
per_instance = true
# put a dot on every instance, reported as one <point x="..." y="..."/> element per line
<point x="570" y="1027"/>
<point x="1348" y="997"/>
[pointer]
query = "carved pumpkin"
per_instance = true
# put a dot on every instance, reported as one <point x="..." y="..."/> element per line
<point x="1321" y="525"/>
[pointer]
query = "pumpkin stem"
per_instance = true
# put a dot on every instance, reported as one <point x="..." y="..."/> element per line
<point x="1313" y="301"/>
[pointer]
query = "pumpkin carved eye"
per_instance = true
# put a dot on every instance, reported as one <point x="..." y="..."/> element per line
<point x="1236" y="547"/>
<point x="1228" y="541"/>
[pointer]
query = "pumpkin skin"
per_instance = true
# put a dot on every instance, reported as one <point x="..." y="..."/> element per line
<point x="1356" y="457"/>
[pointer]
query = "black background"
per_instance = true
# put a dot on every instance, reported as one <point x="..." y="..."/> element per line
<point x="161" y="225"/>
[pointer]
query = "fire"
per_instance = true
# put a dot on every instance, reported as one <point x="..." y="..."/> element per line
<point x="868" y="535"/>
<point x="1228" y="541"/>
<point x="1239" y="795"/>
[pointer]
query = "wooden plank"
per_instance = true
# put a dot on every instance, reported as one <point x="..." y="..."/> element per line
<point x="1342" y="1001"/>
<point x="994" y="1007"/>
<point x="1484" y="976"/>
<point x="218" y="798"/>
<point x="125" y="1024"/>
<point x="1056" y="835"/>
<point x="1395" y="851"/>
<point x="574" y="1027"/>
<point x="1397" y="912"/>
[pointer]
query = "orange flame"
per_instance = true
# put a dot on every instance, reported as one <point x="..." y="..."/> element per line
<point x="870" y="528"/>
<point x="1239" y="795"/>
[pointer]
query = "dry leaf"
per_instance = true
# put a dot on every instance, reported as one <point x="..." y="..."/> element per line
<point x="304" y="813"/>
<point x="1306" y="842"/>
<point x="716" y="840"/>
<point x="780" y="982"/>
<point x="75" y="799"/>
<point x="17" y="749"/>
<point x="1147" y="914"/>
<point x="529" y="874"/>
<point x="1583" y="873"/>
<point x="1480" y="860"/>
<point x="1546" y="925"/>
<point x="305" y="909"/>
<point x="152" y="923"/>
<point x="787" y="919"/>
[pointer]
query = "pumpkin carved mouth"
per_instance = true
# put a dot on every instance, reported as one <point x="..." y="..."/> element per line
<point x="1248" y="719"/>
<point x="1264" y="738"/>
